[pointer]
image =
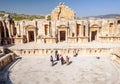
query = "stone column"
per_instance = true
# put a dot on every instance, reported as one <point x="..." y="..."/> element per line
<point x="18" y="30"/>
<point x="70" y="32"/>
<point x="4" y="25"/>
<point x="22" y="28"/>
<point x="82" y="30"/>
<point x="50" y="29"/>
<point x="75" y="29"/>
<point x="5" y="35"/>
<point x="90" y="35"/>
<point x="116" y="28"/>
<point x="58" y="36"/>
<point x="108" y="29"/>
<point x="26" y="30"/>
<point x="11" y="27"/>
<point x="35" y="35"/>
<point x="66" y="35"/>
<point x="97" y="33"/>
<point x="86" y="31"/>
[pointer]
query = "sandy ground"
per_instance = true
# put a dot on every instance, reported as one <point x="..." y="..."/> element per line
<point x="82" y="70"/>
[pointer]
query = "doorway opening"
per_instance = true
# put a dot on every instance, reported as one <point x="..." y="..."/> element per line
<point x="31" y="36"/>
<point x="93" y="35"/>
<point x="62" y="36"/>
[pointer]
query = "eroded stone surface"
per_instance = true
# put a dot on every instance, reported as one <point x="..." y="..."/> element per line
<point x="83" y="69"/>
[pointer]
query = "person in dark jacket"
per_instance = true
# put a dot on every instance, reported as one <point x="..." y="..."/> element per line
<point x="57" y="57"/>
<point x="51" y="60"/>
<point x="62" y="60"/>
<point x="56" y="52"/>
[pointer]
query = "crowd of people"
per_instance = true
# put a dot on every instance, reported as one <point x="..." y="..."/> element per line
<point x="59" y="58"/>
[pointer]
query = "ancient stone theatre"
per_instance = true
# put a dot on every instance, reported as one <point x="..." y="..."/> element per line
<point x="63" y="27"/>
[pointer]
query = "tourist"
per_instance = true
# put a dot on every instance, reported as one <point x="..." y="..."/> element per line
<point x="57" y="57"/>
<point x="67" y="60"/>
<point x="62" y="60"/>
<point x="75" y="55"/>
<point x="51" y="60"/>
<point x="56" y="52"/>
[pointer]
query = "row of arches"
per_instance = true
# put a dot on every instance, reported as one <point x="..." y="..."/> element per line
<point x="3" y="33"/>
<point x="7" y="32"/>
<point x="61" y="32"/>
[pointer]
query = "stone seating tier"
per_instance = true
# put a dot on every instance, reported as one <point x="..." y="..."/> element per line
<point x="116" y="55"/>
<point x="6" y="59"/>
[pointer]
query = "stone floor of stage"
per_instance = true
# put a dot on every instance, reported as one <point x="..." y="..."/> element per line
<point x="83" y="69"/>
<point x="34" y="45"/>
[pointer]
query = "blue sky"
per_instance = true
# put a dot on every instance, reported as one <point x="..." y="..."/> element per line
<point x="81" y="7"/>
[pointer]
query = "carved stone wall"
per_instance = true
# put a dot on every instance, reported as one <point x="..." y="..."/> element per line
<point x="62" y="27"/>
<point x="62" y="12"/>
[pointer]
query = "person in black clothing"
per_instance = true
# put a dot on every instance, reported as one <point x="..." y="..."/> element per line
<point x="62" y="60"/>
<point x="51" y="60"/>
<point x="57" y="57"/>
<point x="56" y="52"/>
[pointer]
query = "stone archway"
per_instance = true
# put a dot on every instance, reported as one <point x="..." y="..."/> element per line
<point x="94" y="29"/>
<point x="2" y="34"/>
<point x="31" y="36"/>
<point x="31" y="33"/>
<point x="93" y="35"/>
<point x="62" y="36"/>
<point x="62" y="33"/>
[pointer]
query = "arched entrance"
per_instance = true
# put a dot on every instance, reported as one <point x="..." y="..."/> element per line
<point x="62" y="33"/>
<point x="93" y="35"/>
<point x="62" y="36"/>
<point x="94" y="32"/>
<point x="31" y="33"/>
<point x="31" y="36"/>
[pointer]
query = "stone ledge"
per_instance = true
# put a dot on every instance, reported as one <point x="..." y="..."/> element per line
<point x="6" y="59"/>
<point x="116" y="56"/>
